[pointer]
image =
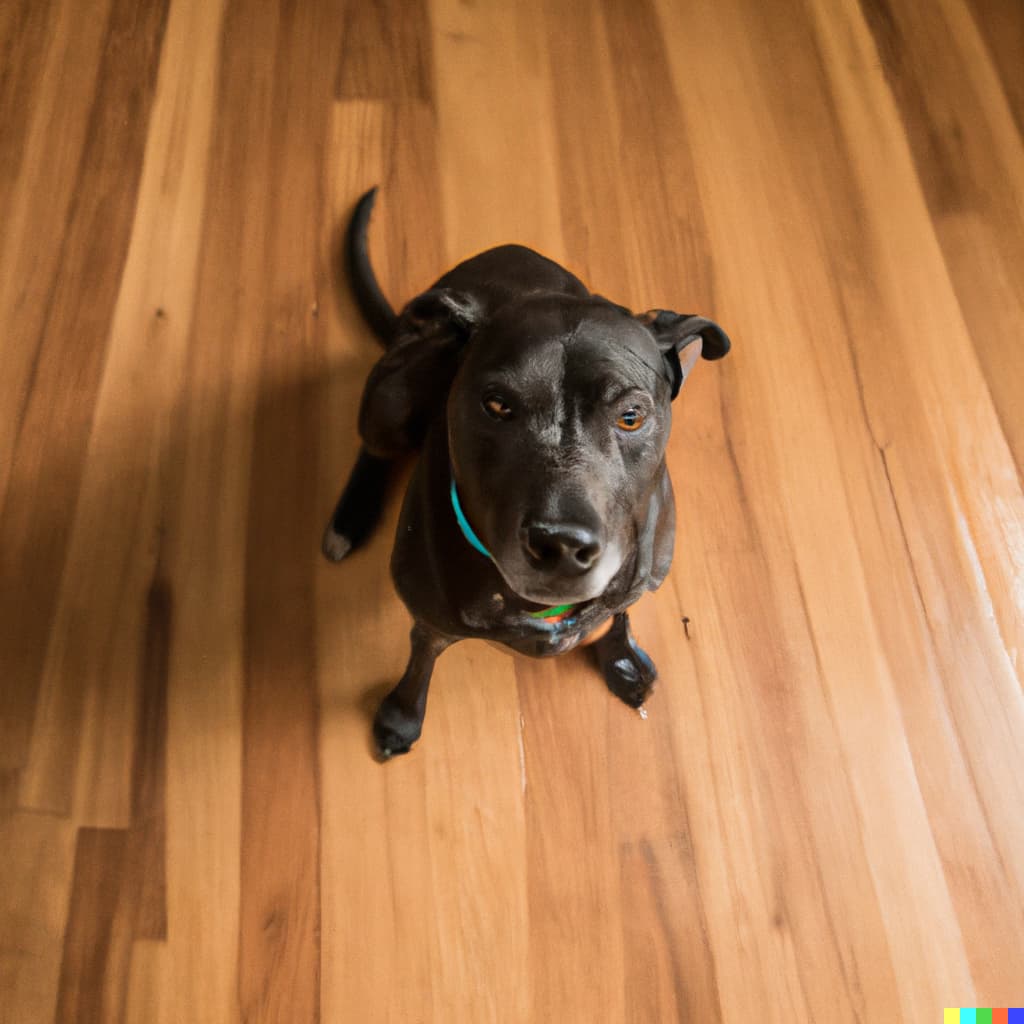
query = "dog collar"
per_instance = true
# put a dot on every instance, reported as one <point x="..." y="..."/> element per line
<point x="555" y="615"/>
<point x="467" y="530"/>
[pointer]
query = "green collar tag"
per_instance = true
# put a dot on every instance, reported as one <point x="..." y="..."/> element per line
<point x="551" y="613"/>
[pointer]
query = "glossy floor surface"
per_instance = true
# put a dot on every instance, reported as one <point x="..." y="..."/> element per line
<point x="821" y="818"/>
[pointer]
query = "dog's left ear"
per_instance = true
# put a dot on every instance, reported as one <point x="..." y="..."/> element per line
<point x="683" y="338"/>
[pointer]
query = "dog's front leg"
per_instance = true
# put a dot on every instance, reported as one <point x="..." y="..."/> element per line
<point x="628" y="671"/>
<point x="399" y="719"/>
<point x="359" y="507"/>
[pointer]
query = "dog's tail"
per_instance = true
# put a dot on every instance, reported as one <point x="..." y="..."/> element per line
<point x="370" y="299"/>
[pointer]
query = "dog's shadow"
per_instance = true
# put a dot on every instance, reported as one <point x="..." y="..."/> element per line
<point x="307" y="618"/>
<point x="206" y="467"/>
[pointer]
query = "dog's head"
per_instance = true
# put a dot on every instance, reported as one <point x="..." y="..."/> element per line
<point x="558" y="417"/>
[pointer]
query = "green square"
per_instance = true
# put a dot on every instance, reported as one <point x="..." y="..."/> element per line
<point x="984" y="1016"/>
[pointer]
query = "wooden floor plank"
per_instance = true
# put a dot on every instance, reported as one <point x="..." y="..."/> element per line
<point x="53" y="425"/>
<point x="941" y="74"/>
<point x="486" y="136"/>
<point x="280" y="894"/>
<point x="375" y="868"/>
<point x="41" y="168"/>
<point x="38" y="854"/>
<point x="88" y="679"/>
<point x="24" y="30"/>
<point x="1001" y="24"/>
<point x="970" y="599"/>
<point x="95" y="942"/>
<point x="669" y="974"/>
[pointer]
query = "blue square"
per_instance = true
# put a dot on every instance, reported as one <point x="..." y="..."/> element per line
<point x="1016" y="1015"/>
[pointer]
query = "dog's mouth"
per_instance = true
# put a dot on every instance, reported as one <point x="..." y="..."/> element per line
<point x="543" y="591"/>
<point x="554" y="615"/>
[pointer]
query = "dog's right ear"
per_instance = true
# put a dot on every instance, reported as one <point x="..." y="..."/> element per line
<point x="408" y="387"/>
<point x="441" y="310"/>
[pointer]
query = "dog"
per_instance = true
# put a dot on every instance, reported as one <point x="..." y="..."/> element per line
<point x="540" y="507"/>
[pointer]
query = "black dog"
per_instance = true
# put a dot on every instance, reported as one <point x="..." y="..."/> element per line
<point x="541" y="505"/>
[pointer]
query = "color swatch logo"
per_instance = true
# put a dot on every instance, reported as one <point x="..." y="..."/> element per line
<point x="972" y="1015"/>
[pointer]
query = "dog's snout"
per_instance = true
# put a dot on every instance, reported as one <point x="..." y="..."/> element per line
<point x="561" y="547"/>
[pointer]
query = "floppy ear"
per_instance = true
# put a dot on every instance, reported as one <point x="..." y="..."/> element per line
<point x="409" y="385"/>
<point x="442" y="310"/>
<point x="683" y="338"/>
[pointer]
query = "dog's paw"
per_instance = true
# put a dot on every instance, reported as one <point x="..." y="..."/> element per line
<point x="335" y="546"/>
<point x="394" y="730"/>
<point x="631" y="676"/>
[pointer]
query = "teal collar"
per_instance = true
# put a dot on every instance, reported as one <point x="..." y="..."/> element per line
<point x="467" y="530"/>
<point x="552" y="614"/>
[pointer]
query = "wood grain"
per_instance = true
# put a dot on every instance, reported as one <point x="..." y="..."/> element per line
<point x="820" y="817"/>
<point x="62" y="375"/>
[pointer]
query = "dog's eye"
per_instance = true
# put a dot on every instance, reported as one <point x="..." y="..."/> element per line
<point x="630" y="420"/>
<point x="497" y="408"/>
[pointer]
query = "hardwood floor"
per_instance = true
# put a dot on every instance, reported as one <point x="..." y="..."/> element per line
<point x="822" y="818"/>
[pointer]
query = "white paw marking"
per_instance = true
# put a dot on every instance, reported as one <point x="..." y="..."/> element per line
<point x="335" y="546"/>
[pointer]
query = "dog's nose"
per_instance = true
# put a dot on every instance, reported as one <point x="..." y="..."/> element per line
<point x="561" y="547"/>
